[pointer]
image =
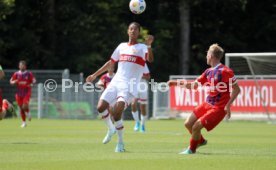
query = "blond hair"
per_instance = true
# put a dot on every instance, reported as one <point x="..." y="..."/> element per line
<point x="216" y="51"/>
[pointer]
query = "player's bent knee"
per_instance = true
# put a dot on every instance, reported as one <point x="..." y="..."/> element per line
<point x="102" y="106"/>
<point x="122" y="102"/>
<point x="187" y="124"/>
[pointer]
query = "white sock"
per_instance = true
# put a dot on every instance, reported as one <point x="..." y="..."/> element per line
<point x="143" y="119"/>
<point x="106" y="118"/>
<point x="135" y="116"/>
<point x="120" y="128"/>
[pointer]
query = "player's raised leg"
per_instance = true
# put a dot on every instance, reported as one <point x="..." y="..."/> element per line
<point x="103" y="107"/>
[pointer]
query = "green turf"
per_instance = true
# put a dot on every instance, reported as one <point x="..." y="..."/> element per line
<point x="74" y="144"/>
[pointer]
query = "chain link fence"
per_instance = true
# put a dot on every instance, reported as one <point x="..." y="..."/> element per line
<point x="73" y="103"/>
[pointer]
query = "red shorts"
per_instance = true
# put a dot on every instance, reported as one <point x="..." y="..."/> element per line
<point x="209" y="116"/>
<point x="22" y="100"/>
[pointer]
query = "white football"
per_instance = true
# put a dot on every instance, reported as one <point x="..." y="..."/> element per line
<point x="137" y="6"/>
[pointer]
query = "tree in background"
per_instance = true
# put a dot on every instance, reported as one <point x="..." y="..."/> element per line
<point x="184" y="14"/>
<point x="6" y="9"/>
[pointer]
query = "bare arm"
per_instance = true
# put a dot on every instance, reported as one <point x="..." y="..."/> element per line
<point x="103" y="69"/>
<point x="13" y="80"/>
<point x="234" y="95"/>
<point x="149" y="41"/>
<point x="184" y="83"/>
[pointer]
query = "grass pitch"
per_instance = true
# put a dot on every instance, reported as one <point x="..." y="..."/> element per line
<point x="76" y="144"/>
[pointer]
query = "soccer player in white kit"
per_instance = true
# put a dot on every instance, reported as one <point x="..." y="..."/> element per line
<point x="131" y="58"/>
<point x="142" y="100"/>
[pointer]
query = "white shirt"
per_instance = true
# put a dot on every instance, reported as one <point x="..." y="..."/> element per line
<point x="132" y="59"/>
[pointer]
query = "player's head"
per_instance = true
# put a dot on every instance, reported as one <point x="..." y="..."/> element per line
<point x="214" y="54"/>
<point x="134" y="30"/>
<point x="22" y="65"/>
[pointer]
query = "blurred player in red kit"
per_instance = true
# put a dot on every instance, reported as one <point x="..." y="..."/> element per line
<point x="106" y="78"/>
<point x="5" y="105"/>
<point x="23" y="80"/>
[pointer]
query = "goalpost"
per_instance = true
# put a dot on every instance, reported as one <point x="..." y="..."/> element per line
<point x="252" y="63"/>
<point x="257" y="78"/>
<point x="261" y="68"/>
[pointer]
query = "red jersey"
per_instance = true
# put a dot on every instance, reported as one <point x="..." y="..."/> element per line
<point x="219" y="80"/>
<point x="105" y="80"/>
<point x="24" y="81"/>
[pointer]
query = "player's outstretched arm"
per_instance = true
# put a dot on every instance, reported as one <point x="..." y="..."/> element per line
<point x="183" y="83"/>
<point x="103" y="69"/>
<point x="149" y="41"/>
<point x="13" y="82"/>
<point x="13" y="79"/>
<point x="234" y="95"/>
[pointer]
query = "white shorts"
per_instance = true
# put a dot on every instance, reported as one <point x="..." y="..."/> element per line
<point x="143" y="95"/>
<point x="113" y="93"/>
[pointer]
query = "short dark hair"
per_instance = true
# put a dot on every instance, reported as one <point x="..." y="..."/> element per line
<point x="135" y="23"/>
<point x="23" y="62"/>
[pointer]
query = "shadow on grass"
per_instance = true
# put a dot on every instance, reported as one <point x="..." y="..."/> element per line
<point x="226" y="153"/>
<point x="22" y="143"/>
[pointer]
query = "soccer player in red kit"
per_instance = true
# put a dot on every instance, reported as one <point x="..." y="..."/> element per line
<point x="5" y="105"/>
<point x="106" y="78"/>
<point x="219" y="79"/>
<point x="23" y="80"/>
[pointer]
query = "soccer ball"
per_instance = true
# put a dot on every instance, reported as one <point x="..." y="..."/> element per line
<point x="137" y="6"/>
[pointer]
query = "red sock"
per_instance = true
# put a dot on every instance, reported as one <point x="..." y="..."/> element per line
<point x="5" y="105"/>
<point x="201" y="140"/>
<point x="193" y="144"/>
<point x="23" y="115"/>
